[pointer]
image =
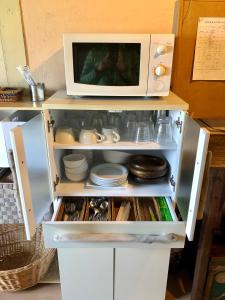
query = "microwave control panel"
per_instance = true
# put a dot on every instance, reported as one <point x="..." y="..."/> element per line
<point x="160" y="64"/>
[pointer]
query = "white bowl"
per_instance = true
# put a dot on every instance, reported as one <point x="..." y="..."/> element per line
<point x="76" y="177"/>
<point x="87" y="153"/>
<point x="74" y="160"/>
<point x="116" y="157"/>
<point x="83" y="166"/>
<point x="75" y="171"/>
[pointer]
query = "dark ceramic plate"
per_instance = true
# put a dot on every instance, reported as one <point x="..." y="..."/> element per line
<point x="139" y="180"/>
<point x="147" y="163"/>
<point x="148" y="174"/>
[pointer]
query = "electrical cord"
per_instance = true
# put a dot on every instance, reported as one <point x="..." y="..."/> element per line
<point x="211" y="127"/>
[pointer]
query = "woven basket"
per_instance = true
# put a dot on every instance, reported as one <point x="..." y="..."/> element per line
<point x="22" y="263"/>
<point x="8" y="94"/>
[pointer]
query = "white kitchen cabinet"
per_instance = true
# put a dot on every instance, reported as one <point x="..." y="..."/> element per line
<point x="141" y="274"/>
<point x="86" y="273"/>
<point x="128" y="245"/>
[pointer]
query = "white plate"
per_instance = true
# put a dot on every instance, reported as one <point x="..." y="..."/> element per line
<point x="109" y="172"/>
<point x="109" y="183"/>
<point x="108" y="180"/>
<point x="90" y="185"/>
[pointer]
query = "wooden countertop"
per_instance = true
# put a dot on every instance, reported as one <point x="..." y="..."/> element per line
<point x="60" y="100"/>
<point x="24" y="104"/>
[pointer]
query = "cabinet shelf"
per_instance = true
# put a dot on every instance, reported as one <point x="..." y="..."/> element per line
<point x="60" y="100"/>
<point x="117" y="146"/>
<point x="69" y="188"/>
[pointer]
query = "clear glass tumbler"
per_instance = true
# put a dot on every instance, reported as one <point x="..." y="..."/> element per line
<point x="164" y="134"/>
<point x="142" y="133"/>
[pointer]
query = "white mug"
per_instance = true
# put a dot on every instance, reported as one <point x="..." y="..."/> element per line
<point x="111" y="136"/>
<point x="90" y="136"/>
<point x="64" y="135"/>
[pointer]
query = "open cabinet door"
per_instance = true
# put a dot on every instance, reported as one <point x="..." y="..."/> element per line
<point x="31" y="163"/>
<point x="193" y="157"/>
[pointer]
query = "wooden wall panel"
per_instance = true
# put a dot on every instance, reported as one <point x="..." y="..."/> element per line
<point x="45" y="22"/>
<point x="206" y="98"/>
<point x="12" y="51"/>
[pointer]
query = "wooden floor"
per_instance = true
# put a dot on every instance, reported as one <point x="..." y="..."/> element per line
<point x="52" y="291"/>
<point x="178" y="288"/>
<point x="39" y="292"/>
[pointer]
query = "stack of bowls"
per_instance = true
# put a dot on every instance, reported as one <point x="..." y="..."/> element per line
<point x="148" y="169"/>
<point x="76" y="167"/>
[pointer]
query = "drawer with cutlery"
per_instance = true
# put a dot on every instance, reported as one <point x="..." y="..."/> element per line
<point x="115" y="221"/>
<point x="115" y="209"/>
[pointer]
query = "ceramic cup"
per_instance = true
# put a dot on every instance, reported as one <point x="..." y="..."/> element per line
<point x="111" y="136"/>
<point x="90" y="136"/>
<point x="64" y="135"/>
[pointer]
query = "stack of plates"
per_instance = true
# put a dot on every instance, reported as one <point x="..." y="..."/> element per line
<point x="148" y="169"/>
<point x="109" y="175"/>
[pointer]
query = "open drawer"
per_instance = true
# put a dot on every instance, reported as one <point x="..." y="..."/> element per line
<point x="37" y="194"/>
<point x="113" y="233"/>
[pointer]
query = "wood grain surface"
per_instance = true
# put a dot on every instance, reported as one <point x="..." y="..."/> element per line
<point x="206" y="98"/>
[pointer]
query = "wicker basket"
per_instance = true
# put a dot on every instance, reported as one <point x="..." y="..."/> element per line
<point x="22" y="263"/>
<point x="8" y="94"/>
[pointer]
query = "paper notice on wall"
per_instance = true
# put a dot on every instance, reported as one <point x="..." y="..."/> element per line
<point x="209" y="62"/>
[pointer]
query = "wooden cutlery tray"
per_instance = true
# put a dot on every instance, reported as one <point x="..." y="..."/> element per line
<point x="61" y="213"/>
<point x="116" y="204"/>
<point x="148" y="209"/>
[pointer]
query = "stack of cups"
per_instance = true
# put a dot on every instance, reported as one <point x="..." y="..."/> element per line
<point x="76" y="167"/>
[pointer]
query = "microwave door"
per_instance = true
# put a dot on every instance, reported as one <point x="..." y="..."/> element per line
<point x="112" y="65"/>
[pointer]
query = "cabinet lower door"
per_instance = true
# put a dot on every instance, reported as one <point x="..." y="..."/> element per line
<point x="141" y="274"/>
<point x="86" y="273"/>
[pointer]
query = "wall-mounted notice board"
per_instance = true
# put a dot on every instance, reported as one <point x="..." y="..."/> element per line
<point x="205" y="97"/>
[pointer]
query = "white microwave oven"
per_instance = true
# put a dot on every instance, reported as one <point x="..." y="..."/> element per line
<point x="118" y="64"/>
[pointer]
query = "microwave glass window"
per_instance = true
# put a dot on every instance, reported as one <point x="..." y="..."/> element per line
<point x="107" y="64"/>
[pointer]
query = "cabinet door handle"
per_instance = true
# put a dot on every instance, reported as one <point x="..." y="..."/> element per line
<point x="115" y="238"/>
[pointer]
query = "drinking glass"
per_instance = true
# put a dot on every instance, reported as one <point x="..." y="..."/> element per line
<point x="164" y="130"/>
<point x="142" y="133"/>
<point x="131" y="130"/>
<point x="151" y="129"/>
<point x="97" y="121"/>
<point x="127" y="126"/>
<point x="114" y="119"/>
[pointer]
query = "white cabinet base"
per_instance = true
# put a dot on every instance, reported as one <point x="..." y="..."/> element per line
<point x="141" y="274"/>
<point x="113" y="274"/>
<point x="86" y="274"/>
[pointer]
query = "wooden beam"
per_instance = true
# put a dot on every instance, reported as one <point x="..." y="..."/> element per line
<point x="12" y="51"/>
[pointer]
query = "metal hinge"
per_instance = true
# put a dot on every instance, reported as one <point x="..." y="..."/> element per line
<point x="179" y="124"/>
<point x="56" y="182"/>
<point x="50" y="124"/>
<point x="173" y="183"/>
